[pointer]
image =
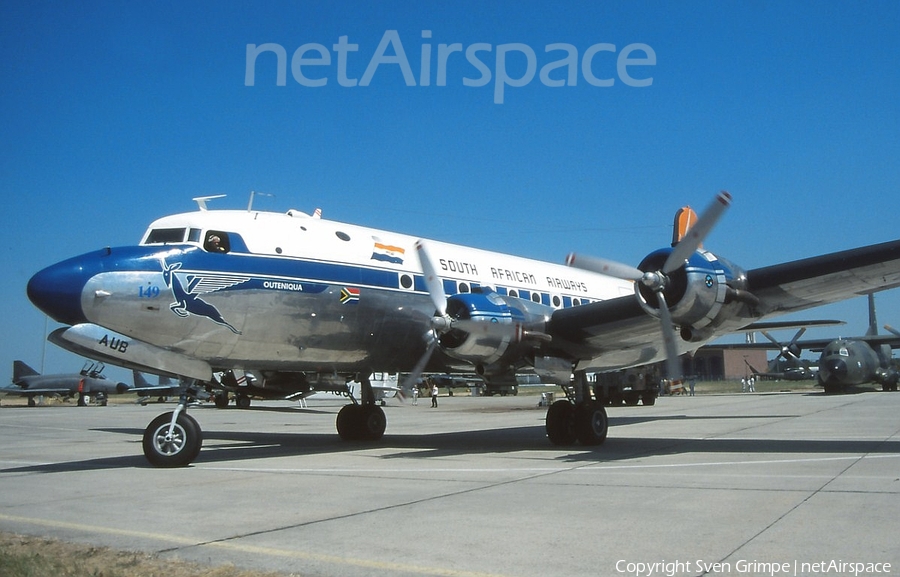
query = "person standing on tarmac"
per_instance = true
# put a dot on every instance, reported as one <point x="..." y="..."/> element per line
<point x="434" y="395"/>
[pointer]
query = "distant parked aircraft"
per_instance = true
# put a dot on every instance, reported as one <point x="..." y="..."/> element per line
<point x="27" y="382"/>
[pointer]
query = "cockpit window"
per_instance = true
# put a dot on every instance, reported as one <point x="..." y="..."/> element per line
<point x="216" y="241"/>
<point x="194" y="235"/>
<point x="165" y="236"/>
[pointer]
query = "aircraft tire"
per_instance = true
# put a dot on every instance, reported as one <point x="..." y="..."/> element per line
<point x="372" y="423"/>
<point x="560" y="423"/>
<point x="221" y="400"/>
<point x="179" y="451"/>
<point x="591" y="423"/>
<point x="347" y="423"/>
<point x="242" y="402"/>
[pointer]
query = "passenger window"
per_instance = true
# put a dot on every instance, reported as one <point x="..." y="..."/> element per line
<point x="216" y="241"/>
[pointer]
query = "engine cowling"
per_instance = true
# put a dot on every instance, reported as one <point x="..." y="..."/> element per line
<point x="695" y="292"/>
<point x="493" y="329"/>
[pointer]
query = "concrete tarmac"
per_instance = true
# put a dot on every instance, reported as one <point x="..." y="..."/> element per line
<point x="750" y="484"/>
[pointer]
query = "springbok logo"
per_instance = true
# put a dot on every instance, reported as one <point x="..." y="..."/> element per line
<point x="187" y="300"/>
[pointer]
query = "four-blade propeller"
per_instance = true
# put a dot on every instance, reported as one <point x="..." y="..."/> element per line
<point x="788" y="351"/>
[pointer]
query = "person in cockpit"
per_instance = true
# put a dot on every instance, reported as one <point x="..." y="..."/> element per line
<point x="214" y="243"/>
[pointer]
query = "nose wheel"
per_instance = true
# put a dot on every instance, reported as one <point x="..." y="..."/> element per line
<point x="172" y="440"/>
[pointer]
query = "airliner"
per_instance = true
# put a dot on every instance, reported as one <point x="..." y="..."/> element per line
<point x="293" y="296"/>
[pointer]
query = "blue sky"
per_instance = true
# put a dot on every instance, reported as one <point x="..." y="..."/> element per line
<point x="117" y="113"/>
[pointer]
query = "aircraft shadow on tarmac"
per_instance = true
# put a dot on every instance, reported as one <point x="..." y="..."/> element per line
<point x="224" y="446"/>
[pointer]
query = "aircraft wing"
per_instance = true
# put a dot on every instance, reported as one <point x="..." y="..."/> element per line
<point x="810" y="282"/>
<point x="22" y="392"/>
<point x="619" y="333"/>
<point x="813" y="345"/>
<point x="165" y="390"/>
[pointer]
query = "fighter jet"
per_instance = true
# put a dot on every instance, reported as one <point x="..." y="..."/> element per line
<point x="27" y="382"/>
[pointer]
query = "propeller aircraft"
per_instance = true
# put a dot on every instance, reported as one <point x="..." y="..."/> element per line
<point x="843" y="362"/>
<point x="293" y="296"/>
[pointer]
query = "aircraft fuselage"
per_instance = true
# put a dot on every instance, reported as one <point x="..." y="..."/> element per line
<point x="286" y="292"/>
<point x="847" y="362"/>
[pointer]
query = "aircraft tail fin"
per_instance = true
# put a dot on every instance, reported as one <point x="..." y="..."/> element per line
<point x="685" y="218"/>
<point x="139" y="380"/>
<point x="21" y="369"/>
<point x="751" y="367"/>
<point x="873" y="322"/>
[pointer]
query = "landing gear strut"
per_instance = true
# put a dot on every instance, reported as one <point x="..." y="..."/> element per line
<point x="362" y="422"/>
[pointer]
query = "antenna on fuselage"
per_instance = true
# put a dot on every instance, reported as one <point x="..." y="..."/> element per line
<point x="254" y="193"/>
<point x="201" y="200"/>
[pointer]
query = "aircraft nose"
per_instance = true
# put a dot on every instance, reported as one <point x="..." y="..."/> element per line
<point x="56" y="290"/>
<point x="835" y="370"/>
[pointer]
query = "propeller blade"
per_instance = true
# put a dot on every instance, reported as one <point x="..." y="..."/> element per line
<point x="413" y="378"/>
<point x="604" y="266"/>
<point x="787" y="350"/>
<point x="798" y="335"/>
<point x="892" y="330"/>
<point x="693" y="238"/>
<point x="771" y="338"/>
<point x="432" y="280"/>
<point x="673" y="368"/>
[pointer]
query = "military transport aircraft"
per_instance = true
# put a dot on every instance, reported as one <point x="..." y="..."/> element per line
<point x="27" y="382"/>
<point x="847" y="362"/>
<point x="299" y="297"/>
<point x="844" y="362"/>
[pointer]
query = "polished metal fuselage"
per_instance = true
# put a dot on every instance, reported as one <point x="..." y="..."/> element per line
<point x="293" y="293"/>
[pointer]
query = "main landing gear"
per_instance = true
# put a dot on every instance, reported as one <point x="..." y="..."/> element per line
<point x="578" y="418"/>
<point x="362" y="422"/>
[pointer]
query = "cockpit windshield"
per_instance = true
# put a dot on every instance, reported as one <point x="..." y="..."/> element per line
<point x="165" y="236"/>
<point x="210" y="240"/>
<point x="172" y="235"/>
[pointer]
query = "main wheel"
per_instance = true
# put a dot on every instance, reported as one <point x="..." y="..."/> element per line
<point x="560" y="424"/>
<point x="591" y="423"/>
<point x="347" y="422"/>
<point x="372" y="423"/>
<point x="178" y="450"/>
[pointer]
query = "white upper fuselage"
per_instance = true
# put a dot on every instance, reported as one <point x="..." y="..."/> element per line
<point x="296" y="235"/>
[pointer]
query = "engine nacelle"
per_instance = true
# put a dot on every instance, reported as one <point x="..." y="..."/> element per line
<point x="495" y="327"/>
<point x="695" y="292"/>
